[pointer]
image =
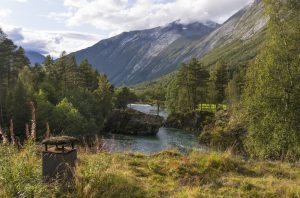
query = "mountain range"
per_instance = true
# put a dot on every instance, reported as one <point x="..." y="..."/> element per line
<point x="34" y="57"/>
<point x="138" y="56"/>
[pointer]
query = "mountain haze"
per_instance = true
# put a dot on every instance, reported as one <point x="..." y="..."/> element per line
<point x="34" y="57"/>
<point x="137" y="56"/>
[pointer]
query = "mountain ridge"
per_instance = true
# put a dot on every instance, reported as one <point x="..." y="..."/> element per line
<point x="133" y="57"/>
<point x="34" y="57"/>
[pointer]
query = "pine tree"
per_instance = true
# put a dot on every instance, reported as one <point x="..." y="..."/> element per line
<point x="48" y="61"/>
<point x="218" y="82"/>
<point x="72" y="73"/>
<point x="122" y="97"/>
<point x="158" y="96"/>
<point x="19" y="107"/>
<point x="104" y="94"/>
<point x="88" y="76"/>
<point x="189" y="87"/>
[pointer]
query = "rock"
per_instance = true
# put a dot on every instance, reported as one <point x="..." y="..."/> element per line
<point x="193" y="121"/>
<point x="132" y="122"/>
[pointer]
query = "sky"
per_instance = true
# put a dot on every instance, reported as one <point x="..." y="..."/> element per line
<point x="53" y="26"/>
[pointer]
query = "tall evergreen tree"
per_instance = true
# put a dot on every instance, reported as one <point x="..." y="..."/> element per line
<point x="189" y="88"/>
<point x="122" y="97"/>
<point x="88" y="76"/>
<point x="19" y="108"/>
<point x="104" y="94"/>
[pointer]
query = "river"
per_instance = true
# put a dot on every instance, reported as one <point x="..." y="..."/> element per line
<point x="165" y="139"/>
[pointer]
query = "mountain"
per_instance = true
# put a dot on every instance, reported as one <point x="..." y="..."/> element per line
<point x="137" y="56"/>
<point x="131" y="57"/>
<point x="34" y="57"/>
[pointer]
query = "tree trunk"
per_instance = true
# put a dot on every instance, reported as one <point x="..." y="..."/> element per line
<point x="1" y="105"/>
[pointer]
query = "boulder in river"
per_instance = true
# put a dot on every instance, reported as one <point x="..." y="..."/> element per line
<point x="132" y="122"/>
<point x="192" y="121"/>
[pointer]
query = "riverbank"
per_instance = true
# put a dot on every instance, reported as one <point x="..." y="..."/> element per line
<point x="164" y="174"/>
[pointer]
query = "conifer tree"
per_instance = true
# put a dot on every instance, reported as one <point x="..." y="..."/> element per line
<point x="104" y="94"/>
<point x="189" y="87"/>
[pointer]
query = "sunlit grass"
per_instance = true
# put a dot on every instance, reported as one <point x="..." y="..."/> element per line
<point x="211" y="107"/>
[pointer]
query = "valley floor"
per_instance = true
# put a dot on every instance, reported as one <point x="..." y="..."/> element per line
<point x="165" y="174"/>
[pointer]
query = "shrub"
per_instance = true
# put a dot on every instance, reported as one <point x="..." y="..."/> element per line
<point x="224" y="132"/>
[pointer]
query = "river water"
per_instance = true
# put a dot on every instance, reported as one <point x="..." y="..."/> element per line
<point x="165" y="139"/>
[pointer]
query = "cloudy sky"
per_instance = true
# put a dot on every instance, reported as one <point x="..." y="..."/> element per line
<point x="51" y="26"/>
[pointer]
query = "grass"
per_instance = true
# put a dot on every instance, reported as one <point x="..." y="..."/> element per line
<point x="210" y="107"/>
<point x="164" y="174"/>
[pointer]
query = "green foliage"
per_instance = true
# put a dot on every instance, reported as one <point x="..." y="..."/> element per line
<point x="188" y="88"/>
<point x="9" y="53"/>
<point x="225" y="132"/>
<point x="122" y="97"/>
<point x="217" y="83"/>
<point x="271" y="97"/>
<point x="21" y="173"/>
<point x="67" y="119"/>
<point x="104" y="94"/>
<point x="232" y="92"/>
<point x="72" y="99"/>
<point x="19" y="107"/>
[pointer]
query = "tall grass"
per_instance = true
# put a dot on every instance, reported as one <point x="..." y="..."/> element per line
<point x="164" y="174"/>
<point x="21" y="173"/>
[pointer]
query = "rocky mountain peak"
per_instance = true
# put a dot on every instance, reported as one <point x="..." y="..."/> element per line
<point x="137" y="56"/>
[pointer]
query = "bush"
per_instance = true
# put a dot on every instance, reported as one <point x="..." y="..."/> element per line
<point x="224" y="132"/>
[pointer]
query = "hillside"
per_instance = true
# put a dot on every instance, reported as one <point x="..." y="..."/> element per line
<point x="132" y="57"/>
<point x="138" y="56"/>
<point x="236" y="51"/>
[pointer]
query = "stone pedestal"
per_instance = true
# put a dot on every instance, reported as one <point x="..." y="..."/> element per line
<point x="59" y="161"/>
<point x="59" y="164"/>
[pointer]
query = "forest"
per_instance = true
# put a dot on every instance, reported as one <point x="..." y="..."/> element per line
<point x="252" y="129"/>
<point x="67" y="98"/>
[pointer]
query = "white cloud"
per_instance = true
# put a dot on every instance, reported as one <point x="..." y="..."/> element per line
<point x="112" y="17"/>
<point x="50" y="42"/>
<point x="21" y="1"/>
<point x="117" y="16"/>
<point x="5" y="12"/>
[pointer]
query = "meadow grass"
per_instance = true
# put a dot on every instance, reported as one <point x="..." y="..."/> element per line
<point x="164" y="174"/>
<point x="211" y="107"/>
